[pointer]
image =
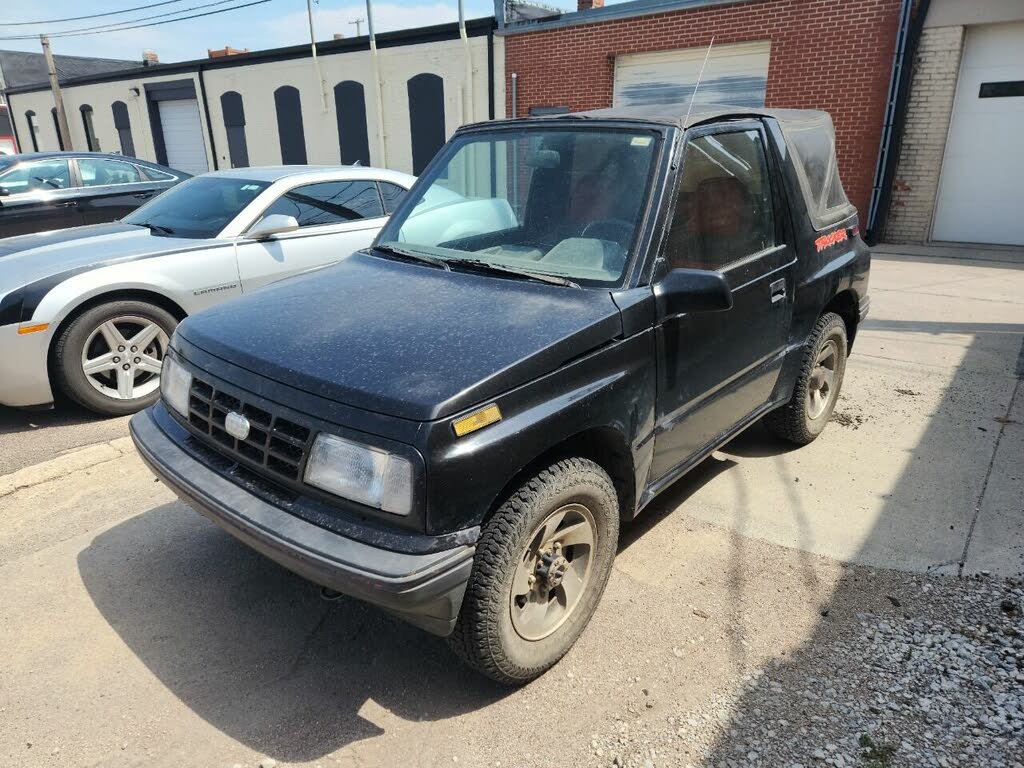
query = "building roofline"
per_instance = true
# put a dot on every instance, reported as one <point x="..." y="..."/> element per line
<point x="626" y="10"/>
<point x="436" y="33"/>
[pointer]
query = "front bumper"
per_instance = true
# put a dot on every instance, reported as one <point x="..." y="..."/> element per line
<point x="424" y="589"/>
<point x="24" y="380"/>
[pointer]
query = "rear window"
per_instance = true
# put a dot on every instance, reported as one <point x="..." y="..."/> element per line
<point x="813" y="144"/>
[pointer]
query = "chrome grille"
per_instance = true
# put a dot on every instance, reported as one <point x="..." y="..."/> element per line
<point x="274" y="443"/>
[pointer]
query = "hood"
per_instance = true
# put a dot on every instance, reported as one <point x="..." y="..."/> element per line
<point x="403" y="339"/>
<point x="27" y="258"/>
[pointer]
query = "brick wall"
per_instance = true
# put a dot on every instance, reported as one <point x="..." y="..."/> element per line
<point x="929" y="109"/>
<point x="834" y="55"/>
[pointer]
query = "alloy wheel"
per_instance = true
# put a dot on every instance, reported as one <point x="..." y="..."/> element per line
<point x="553" y="572"/>
<point x="821" y="387"/>
<point x="122" y="358"/>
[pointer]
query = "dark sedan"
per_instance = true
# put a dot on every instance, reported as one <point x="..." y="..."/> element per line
<point x="54" y="190"/>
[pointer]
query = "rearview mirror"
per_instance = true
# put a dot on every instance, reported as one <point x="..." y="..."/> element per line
<point x="692" y="290"/>
<point x="274" y="224"/>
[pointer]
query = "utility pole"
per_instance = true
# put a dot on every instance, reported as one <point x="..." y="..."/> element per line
<point x="316" y="63"/>
<point x="382" y="156"/>
<point x="359" y="25"/>
<point x="58" y="100"/>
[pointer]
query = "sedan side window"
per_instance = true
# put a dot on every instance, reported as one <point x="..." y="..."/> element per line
<point x="44" y="175"/>
<point x="329" y="202"/>
<point x="724" y="209"/>
<point x="99" y="173"/>
<point x="392" y="195"/>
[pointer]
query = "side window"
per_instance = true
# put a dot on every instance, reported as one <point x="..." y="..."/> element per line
<point x="724" y="209"/>
<point x="392" y="195"/>
<point x="97" y="172"/>
<point x="154" y="175"/>
<point x="329" y="202"/>
<point x="45" y="175"/>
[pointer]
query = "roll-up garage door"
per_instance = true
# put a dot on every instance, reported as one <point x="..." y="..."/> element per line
<point x="735" y="74"/>
<point x="982" y="183"/>
<point x="183" y="135"/>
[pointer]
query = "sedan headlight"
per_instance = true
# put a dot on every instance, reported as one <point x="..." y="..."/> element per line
<point x="175" y="384"/>
<point x="366" y="475"/>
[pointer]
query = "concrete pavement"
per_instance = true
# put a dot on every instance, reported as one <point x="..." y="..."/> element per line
<point x="134" y="632"/>
<point x="922" y="467"/>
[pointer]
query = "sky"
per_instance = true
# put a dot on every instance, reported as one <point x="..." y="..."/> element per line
<point x="270" y="25"/>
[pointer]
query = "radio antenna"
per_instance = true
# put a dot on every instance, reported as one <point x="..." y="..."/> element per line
<point x="699" y="76"/>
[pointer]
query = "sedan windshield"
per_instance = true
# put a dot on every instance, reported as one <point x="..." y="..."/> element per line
<point x="539" y="202"/>
<point x="197" y="208"/>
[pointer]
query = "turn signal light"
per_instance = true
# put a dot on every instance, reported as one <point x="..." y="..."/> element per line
<point x="485" y="416"/>
<point x="33" y="328"/>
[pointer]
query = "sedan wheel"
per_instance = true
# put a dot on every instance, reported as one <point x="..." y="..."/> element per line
<point x="109" y="358"/>
<point x="123" y="356"/>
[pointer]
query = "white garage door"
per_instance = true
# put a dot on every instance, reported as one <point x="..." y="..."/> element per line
<point x="735" y="74"/>
<point x="183" y="135"/>
<point x="981" y="194"/>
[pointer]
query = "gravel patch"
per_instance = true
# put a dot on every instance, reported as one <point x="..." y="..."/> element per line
<point x="936" y="681"/>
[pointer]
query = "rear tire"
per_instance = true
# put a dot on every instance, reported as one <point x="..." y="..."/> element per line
<point x="512" y="632"/>
<point x="817" y="387"/>
<point x="91" y="355"/>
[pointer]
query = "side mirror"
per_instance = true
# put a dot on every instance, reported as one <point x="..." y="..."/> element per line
<point x="4" y="192"/>
<point x="692" y="290"/>
<point x="271" y="225"/>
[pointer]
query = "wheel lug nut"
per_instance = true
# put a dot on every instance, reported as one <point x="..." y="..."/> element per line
<point x="138" y="359"/>
<point x="531" y="580"/>
<point x="558" y="545"/>
<point x="135" y="349"/>
<point x="120" y="349"/>
<point x="126" y="366"/>
<point x="117" y="359"/>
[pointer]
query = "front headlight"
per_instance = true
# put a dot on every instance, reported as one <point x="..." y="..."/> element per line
<point x="367" y="475"/>
<point x="175" y="384"/>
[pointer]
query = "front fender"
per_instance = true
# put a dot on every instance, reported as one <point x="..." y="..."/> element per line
<point x="612" y="388"/>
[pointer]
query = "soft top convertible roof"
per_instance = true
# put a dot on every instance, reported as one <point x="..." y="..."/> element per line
<point x="676" y="114"/>
<point x="809" y="133"/>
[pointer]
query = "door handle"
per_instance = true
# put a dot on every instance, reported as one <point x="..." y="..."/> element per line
<point x="68" y="204"/>
<point x="778" y="291"/>
<point x="143" y="195"/>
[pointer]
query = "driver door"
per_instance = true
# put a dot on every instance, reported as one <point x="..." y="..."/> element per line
<point x="40" y="197"/>
<point x="716" y="369"/>
<point x="336" y="218"/>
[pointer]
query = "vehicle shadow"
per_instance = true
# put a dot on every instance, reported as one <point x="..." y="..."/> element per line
<point x="254" y="650"/>
<point x="14" y="421"/>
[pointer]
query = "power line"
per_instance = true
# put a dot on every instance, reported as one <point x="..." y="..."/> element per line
<point x="138" y="26"/>
<point x="113" y="26"/>
<point x="92" y="16"/>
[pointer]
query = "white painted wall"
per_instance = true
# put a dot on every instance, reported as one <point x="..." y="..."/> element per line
<point x="100" y="96"/>
<point x="257" y="82"/>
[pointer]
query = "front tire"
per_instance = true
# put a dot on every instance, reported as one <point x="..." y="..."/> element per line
<point x="541" y="566"/>
<point x="822" y="367"/>
<point x="109" y="358"/>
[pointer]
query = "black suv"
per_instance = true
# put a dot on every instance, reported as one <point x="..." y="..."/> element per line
<point x="563" y="316"/>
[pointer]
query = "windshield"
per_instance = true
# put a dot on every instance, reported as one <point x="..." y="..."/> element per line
<point x="200" y="207"/>
<point x="542" y="202"/>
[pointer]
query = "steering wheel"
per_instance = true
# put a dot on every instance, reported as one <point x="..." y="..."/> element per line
<point x="617" y="230"/>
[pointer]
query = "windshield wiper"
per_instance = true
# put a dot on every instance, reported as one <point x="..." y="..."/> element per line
<point x="486" y="266"/>
<point x="413" y="256"/>
<point x="158" y="229"/>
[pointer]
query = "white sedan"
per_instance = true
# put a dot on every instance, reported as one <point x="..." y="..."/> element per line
<point x="90" y="310"/>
